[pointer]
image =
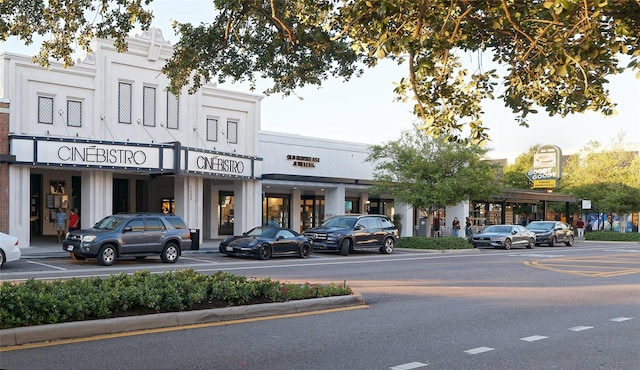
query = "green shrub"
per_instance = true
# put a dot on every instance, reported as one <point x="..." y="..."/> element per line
<point x="38" y="302"/>
<point x="612" y="236"/>
<point x="447" y="242"/>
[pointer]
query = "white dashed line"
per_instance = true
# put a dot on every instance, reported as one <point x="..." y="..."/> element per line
<point x="533" y="338"/>
<point x="580" y="328"/>
<point x="409" y="366"/>
<point x="621" y="319"/>
<point x="475" y="351"/>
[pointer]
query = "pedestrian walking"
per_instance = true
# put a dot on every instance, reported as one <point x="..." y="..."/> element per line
<point x="467" y="229"/>
<point x="580" y="226"/>
<point x="61" y="224"/>
<point x="456" y="226"/>
<point x="74" y="220"/>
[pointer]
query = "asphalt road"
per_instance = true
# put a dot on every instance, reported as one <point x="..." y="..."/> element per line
<point x="546" y="308"/>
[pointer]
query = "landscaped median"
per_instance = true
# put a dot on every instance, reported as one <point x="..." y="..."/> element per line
<point x="36" y="311"/>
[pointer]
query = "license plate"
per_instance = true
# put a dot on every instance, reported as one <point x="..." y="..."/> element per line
<point x="70" y="248"/>
<point x="229" y="249"/>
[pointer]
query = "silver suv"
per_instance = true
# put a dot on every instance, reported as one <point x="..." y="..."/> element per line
<point x="348" y="232"/>
<point x="130" y="235"/>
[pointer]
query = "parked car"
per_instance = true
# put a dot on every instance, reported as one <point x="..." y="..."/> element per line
<point x="552" y="233"/>
<point x="504" y="236"/>
<point x="9" y="250"/>
<point x="266" y="241"/>
<point x="348" y="232"/>
<point x="130" y="235"/>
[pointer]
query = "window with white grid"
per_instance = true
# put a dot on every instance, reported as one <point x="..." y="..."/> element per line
<point x="45" y="110"/>
<point x="74" y="113"/>
<point x="173" y="111"/>
<point x="232" y="132"/>
<point x="212" y="129"/>
<point x="149" y="101"/>
<point x="124" y="102"/>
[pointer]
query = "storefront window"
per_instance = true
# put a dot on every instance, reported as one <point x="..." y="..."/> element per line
<point x="225" y="213"/>
<point x="352" y="205"/>
<point x="275" y="210"/>
<point x="312" y="212"/>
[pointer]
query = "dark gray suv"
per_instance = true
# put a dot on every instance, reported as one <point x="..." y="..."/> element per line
<point x="348" y="232"/>
<point x="130" y="235"/>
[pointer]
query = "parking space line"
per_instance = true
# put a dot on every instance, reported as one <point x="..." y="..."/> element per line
<point x="199" y="260"/>
<point x="46" y="265"/>
<point x="621" y="319"/>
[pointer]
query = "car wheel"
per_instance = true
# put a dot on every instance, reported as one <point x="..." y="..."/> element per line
<point x="345" y="246"/>
<point x="264" y="252"/>
<point x="507" y="244"/>
<point x="305" y="250"/>
<point x="532" y="242"/>
<point x="107" y="255"/>
<point x="553" y="242"/>
<point x="387" y="246"/>
<point x="2" y="258"/>
<point x="76" y="257"/>
<point x="569" y="243"/>
<point x="170" y="253"/>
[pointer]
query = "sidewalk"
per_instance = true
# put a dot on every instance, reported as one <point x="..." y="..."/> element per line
<point x="48" y="247"/>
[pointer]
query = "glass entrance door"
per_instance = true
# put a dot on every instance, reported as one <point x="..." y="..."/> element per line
<point x="311" y="212"/>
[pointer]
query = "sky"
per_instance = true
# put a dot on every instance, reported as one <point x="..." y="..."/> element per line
<point x="363" y="109"/>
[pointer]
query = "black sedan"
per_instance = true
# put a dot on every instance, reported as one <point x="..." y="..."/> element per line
<point x="552" y="233"/>
<point x="266" y="241"/>
<point x="504" y="236"/>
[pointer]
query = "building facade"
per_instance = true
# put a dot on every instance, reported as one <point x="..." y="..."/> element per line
<point x="104" y="136"/>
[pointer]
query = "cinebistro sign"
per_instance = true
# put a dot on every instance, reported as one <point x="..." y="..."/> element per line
<point x="547" y="167"/>
<point x="92" y="154"/>
<point x="218" y="164"/>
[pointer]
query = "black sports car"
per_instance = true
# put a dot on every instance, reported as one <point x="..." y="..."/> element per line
<point x="265" y="241"/>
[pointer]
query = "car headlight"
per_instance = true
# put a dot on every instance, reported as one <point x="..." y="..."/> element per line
<point x="88" y="238"/>
<point x="253" y="242"/>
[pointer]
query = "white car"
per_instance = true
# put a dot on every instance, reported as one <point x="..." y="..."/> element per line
<point x="9" y="250"/>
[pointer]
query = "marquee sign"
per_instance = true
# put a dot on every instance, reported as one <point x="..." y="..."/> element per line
<point x="213" y="163"/>
<point x="547" y="167"/>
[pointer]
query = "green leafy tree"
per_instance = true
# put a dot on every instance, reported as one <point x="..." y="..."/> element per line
<point x="610" y="177"/>
<point x="430" y="174"/>
<point x="557" y="54"/>
<point x="515" y="175"/>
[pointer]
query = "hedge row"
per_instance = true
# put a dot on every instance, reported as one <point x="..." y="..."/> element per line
<point x="612" y="236"/>
<point x="446" y="242"/>
<point x="40" y="302"/>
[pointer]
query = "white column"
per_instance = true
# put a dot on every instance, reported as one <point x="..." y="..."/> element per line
<point x="334" y="201"/>
<point x="407" y="219"/>
<point x="19" y="203"/>
<point x="248" y="206"/>
<point x="460" y="210"/>
<point x="364" y="201"/>
<point x="294" y="216"/>
<point x="188" y="194"/>
<point x="97" y="197"/>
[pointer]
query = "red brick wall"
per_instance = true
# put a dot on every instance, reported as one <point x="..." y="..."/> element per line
<point x="4" y="169"/>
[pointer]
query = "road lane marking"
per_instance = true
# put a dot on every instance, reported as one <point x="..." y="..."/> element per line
<point x="46" y="265"/>
<point x="621" y="319"/>
<point x="605" y="266"/>
<point x="533" y="338"/>
<point x="580" y="328"/>
<point x="409" y="366"/>
<point x="475" y="351"/>
<point x="177" y="328"/>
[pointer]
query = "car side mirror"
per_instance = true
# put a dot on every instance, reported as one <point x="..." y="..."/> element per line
<point x="280" y="237"/>
<point x="128" y="228"/>
<point x="514" y="232"/>
<point x="358" y="227"/>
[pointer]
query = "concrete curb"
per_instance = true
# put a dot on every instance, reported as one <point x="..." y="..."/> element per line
<point x="80" y="329"/>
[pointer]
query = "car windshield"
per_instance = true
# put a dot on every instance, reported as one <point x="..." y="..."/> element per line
<point x="540" y="225"/>
<point x="109" y="223"/>
<point x="344" y="222"/>
<point x="498" y="229"/>
<point x="265" y="232"/>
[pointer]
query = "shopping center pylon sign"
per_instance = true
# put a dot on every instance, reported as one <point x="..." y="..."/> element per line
<point x="547" y="167"/>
